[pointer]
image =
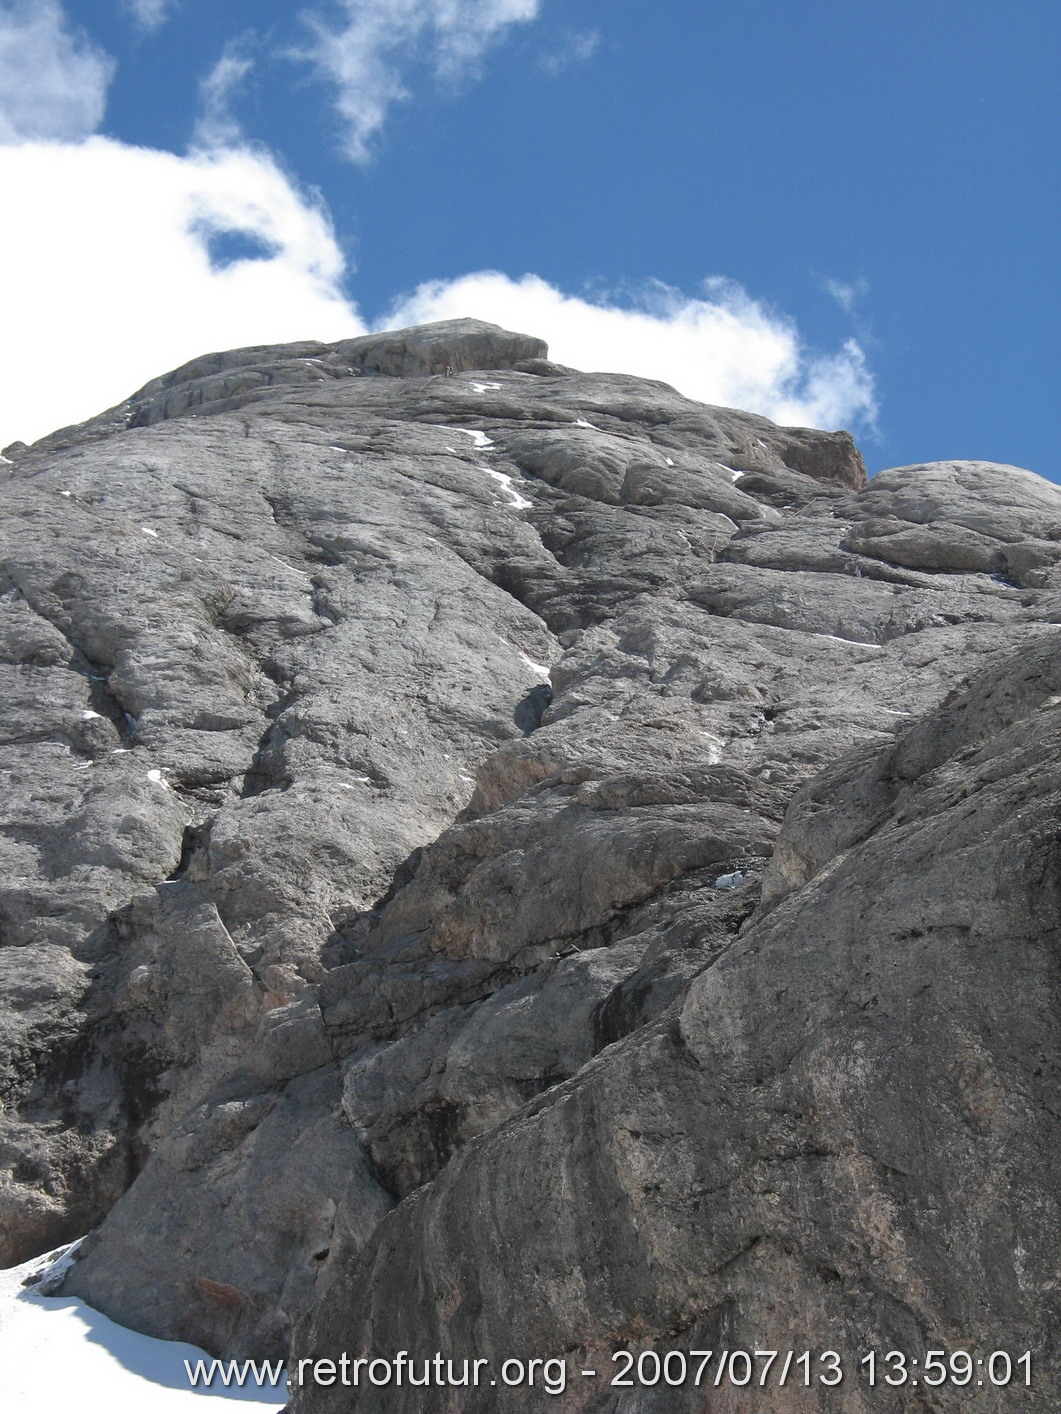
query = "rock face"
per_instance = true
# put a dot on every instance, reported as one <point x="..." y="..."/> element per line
<point x="512" y="862"/>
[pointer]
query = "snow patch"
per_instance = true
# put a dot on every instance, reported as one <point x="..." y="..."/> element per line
<point x="60" y="1355"/>
<point x="148" y="531"/>
<point x="88" y="716"/>
<point x="581" y="422"/>
<point x="520" y="503"/>
<point x="668" y="461"/>
<point x="479" y="439"/>
<point x="539" y="669"/>
<point x="66" y="493"/>
<point x="483" y="387"/>
<point x="851" y="642"/>
<point x="731" y="881"/>
<point x="734" y="475"/>
<point x="292" y="568"/>
<point x="157" y="778"/>
<point x="7" y="461"/>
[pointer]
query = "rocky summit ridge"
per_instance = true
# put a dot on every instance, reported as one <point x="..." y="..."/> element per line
<point x="510" y="861"/>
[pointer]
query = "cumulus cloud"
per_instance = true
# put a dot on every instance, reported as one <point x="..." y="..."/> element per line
<point x="111" y="256"/>
<point x="109" y="277"/>
<point x="53" y="80"/>
<point x="217" y="125"/>
<point x="365" y="54"/>
<point x="724" y="348"/>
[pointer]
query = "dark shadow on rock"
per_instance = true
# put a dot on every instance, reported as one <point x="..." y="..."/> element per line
<point x="528" y="714"/>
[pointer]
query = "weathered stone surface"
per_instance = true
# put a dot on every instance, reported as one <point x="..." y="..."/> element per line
<point x="842" y="1138"/>
<point x="509" y="861"/>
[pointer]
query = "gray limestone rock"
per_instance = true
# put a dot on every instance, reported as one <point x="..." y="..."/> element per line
<point x="511" y="861"/>
<point x="842" y="1137"/>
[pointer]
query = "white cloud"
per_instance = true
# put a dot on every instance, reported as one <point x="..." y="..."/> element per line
<point x="105" y="251"/>
<point x="149" y="14"/>
<point x="97" y="305"/>
<point x="847" y="294"/>
<point x="726" y="348"/>
<point x="575" y="49"/>
<point x="217" y="125"/>
<point x="108" y="280"/>
<point x="365" y="56"/>
<point x="53" y="81"/>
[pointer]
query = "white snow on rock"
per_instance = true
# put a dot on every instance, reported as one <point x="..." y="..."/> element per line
<point x="483" y="387"/>
<point x="7" y="461"/>
<point x="852" y="642"/>
<point x="87" y="716"/>
<point x="293" y="568"/>
<point x="730" y="881"/>
<point x="736" y="475"/>
<point x="148" y="531"/>
<point x="539" y="669"/>
<point x="581" y="422"/>
<point x="66" y="493"/>
<point x="479" y="438"/>
<point x="59" y="1356"/>
<point x="157" y="778"/>
<point x="519" y="502"/>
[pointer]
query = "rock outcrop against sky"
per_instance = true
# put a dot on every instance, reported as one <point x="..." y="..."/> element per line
<point x="509" y="861"/>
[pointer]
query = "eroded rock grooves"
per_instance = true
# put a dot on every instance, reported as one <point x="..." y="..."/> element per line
<point x="510" y="861"/>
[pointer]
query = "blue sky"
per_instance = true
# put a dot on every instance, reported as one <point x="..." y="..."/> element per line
<point x="828" y="211"/>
